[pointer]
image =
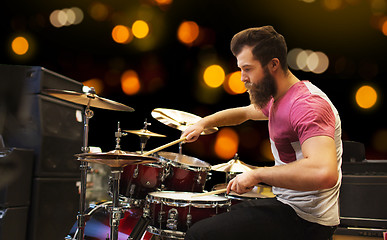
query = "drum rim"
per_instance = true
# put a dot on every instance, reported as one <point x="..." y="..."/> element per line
<point x="206" y="166"/>
<point x="168" y="201"/>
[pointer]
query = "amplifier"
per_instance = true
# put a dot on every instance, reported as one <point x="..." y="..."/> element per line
<point x="362" y="204"/>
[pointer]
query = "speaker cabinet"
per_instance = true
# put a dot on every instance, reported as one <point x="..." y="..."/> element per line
<point x="54" y="130"/>
<point x="13" y="223"/>
<point x="363" y="204"/>
<point x="54" y="208"/>
<point x="17" y="192"/>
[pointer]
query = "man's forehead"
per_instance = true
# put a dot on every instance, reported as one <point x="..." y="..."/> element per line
<point x="246" y="57"/>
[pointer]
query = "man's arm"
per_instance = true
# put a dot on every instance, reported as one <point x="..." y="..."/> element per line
<point x="228" y="117"/>
<point x="316" y="171"/>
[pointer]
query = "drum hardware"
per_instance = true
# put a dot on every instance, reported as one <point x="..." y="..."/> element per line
<point x="90" y="99"/>
<point x="116" y="159"/>
<point x="172" y="219"/>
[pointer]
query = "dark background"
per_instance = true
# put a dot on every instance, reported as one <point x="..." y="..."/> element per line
<point x="355" y="47"/>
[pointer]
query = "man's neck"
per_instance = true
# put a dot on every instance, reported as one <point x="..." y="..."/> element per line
<point x="284" y="82"/>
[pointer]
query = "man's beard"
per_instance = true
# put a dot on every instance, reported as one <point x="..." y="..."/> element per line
<point x="261" y="93"/>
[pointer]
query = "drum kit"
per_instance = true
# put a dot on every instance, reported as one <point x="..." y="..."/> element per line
<point x="154" y="194"/>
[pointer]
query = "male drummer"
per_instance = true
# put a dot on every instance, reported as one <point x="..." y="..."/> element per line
<point x="305" y="136"/>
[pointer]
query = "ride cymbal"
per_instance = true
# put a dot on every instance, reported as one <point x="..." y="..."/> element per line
<point x="88" y="99"/>
<point x="179" y="119"/>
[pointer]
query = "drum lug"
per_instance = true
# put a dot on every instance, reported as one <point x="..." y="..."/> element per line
<point x="161" y="216"/>
<point x="165" y="173"/>
<point x="135" y="172"/>
<point x="189" y="220"/>
<point x="172" y="219"/>
<point x="198" y="178"/>
<point x="132" y="188"/>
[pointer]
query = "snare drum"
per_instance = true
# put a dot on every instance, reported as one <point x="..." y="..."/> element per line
<point x="138" y="180"/>
<point x="172" y="213"/>
<point x="184" y="173"/>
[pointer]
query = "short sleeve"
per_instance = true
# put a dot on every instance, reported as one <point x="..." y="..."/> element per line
<point x="312" y="116"/>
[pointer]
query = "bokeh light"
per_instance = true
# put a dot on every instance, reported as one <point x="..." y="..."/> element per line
<point x="233" y="83"/>
<point x="226" y="143"/>
<point x="188" y="32"/>
<point x="66" y="17"/>
<point x="130" y="83"/>
<point x="20" y="45"/>
<point x="140" y="29"/>
<point x="308" y="60"/>
<point x="366" y="97"/>
<point x="266" y="149"/>
<point x="214" y="76"/>
<point x="121" y="34"/>
<point x="99" y="11"/>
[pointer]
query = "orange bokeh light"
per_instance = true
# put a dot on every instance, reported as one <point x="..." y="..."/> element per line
<point x="188" y="32"/>
<point x="233" y="83"/>
<point x="226" y="143"/>
<point x="121" y="34"/>
<point x="130" y="82"/>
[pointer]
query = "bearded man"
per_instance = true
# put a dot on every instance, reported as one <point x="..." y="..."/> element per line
<point x="305" y="136"/>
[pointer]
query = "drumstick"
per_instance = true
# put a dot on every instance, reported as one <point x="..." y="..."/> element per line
<point x="163" y="146"/>
<point x="223" y="190"/>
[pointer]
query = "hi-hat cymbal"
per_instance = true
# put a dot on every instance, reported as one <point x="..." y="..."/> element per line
<point x="143" y="132"/>
<point x="91" y="99"/>
<point x="115" y="158"/>
<point x="234" y="165"/>
<point x="179" y="119"/>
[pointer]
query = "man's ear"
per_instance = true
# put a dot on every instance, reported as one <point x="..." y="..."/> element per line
<point x="274" y="64"/>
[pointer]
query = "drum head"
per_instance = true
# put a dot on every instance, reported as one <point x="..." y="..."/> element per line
<point x="259" y="191"/>
<point x="177" y="159"/>
<point x="172" y="196"/>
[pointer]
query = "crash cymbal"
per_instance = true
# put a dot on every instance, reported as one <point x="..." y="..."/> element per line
<point x="234" y="165"/>
<point x="179" y="119"/>
<point x="91" y="99"/>
<point x="143" y="132"/>
<point x="115" y="158"/>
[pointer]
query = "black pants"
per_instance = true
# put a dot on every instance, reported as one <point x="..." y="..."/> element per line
<point x="258" y="219"/>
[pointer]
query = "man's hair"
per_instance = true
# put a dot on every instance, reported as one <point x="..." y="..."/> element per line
<point x="266" y="44"/>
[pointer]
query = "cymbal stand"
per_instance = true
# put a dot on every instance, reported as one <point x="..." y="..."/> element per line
<point x="116" y="210"/>
<point x="84" y="168"/>
<point x="143" y="138"/>
<point x="118" y="136"/>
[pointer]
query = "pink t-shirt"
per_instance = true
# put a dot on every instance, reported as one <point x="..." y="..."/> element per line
<point x="304" y="112"/>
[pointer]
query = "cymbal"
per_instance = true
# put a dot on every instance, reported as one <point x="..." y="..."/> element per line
<point x="143" y="132"/>
<point x="115" y="158"/>
<point x="234" y="165"/>
<point x="179" y="119"/>
<point x="88" y="98"/>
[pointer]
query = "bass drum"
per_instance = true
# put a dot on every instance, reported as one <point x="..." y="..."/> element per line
<point x="98" y="226"/>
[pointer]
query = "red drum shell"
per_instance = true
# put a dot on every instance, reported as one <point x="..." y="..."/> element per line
<point x="160" y="203"/>
<point x="185" y="173"/>
<point x="137" y="186"/>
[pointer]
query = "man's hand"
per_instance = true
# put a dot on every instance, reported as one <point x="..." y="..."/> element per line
<point x="243" y="183"/>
